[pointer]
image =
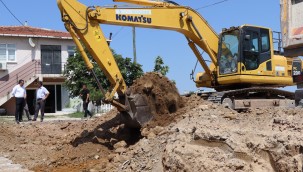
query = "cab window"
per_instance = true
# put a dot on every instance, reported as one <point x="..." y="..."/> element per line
<point x="251" y="50"/>
<point x="255" y="42"/>
<point x="229" y="52"/>
<point x="264" y="41"/>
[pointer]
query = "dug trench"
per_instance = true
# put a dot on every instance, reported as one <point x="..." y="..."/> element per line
<point x="192" y="135"/>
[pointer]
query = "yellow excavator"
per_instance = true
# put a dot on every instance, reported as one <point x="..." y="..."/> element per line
<point x="245" y="69"/>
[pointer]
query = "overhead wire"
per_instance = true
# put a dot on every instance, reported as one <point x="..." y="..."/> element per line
<point x="15" y="16"/>
<point x="118" y="32"/>
<point x="206" y="6"/>
<point x="123" y="26"/>
<point x="11" y="13"/>
<point x="216" y="3"/>
<point x="213" y="4"/>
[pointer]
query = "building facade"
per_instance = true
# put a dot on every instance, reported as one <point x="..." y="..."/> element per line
<point x="34" y="54"/>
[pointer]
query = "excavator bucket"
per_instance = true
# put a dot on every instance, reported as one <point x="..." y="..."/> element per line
<point x="139" y="112"/>
<point x="150" y="98"/>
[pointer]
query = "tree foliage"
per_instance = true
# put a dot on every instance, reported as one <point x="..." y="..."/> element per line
<point x="77" y="74"/>
<point x="160" y="67"/>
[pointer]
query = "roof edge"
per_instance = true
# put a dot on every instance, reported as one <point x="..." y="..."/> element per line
<point x="35" y="36"/>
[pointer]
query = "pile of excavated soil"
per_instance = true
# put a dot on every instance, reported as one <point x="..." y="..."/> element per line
<point x="161" y="94"/>
<point x="60" y="145"/>
<point x="209" y="137"/>
<point x="202" y="137"/>
<point x="199" y="136"/>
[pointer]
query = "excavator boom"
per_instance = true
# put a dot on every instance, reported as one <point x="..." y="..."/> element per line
<point x="145" y="2"/>
<point x="83" y="23"/>
<point x="166" y="16"/>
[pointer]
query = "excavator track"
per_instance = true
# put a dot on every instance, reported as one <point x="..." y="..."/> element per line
<point x="253" y="97"/>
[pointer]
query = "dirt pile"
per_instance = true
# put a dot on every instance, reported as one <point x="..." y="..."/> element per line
<point x="200" y="136"/>
<point x="209" y="137"/>
<point x="218" y="140"/>
<point x="161" y="94"/>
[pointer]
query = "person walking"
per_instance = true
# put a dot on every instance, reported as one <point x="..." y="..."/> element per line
<point x="19" y="93"/>
<point x="41" y="95"/>
<point x="84" y="94"/>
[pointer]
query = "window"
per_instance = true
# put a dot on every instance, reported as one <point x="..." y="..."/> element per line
<point x="229" y="50"/>
<point x="51" y="61"/>
<point x="296" y="1"/>
<point x="71" y="50"/>
<point x="7" y="52"/>
<point x="264" y="41"/>
<point x="2" y="52"/>
<point x="251" y="50"/>
<point x="255" y="42"/>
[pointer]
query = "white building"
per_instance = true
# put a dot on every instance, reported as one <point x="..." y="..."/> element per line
<point x="34" y="54"/>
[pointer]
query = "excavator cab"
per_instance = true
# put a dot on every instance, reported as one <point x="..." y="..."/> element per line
<point x="246" y="57"/>
<point x="247" y="45"/>
<point x="255" y="48"/>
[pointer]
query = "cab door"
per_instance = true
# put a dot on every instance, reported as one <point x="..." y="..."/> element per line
<point x="265" y="53"/>
<point x="255" y="51"/>
<point x="250" y="50"/>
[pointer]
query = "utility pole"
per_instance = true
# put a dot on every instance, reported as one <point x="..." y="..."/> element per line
<point x="134" y="44"/>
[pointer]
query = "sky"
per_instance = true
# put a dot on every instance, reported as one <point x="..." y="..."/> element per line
<point x="150" y="43"/>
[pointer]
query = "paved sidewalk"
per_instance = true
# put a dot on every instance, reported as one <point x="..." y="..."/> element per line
<point x="59" y="115"/>
<point x="64" y="111"/>
<point x="7" y="165"/>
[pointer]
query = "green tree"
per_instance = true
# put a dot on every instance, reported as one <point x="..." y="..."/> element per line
<point x="77" y="74"/>
<point x="160" y="67"/>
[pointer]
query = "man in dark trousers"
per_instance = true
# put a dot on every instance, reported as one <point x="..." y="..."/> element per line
<point x="41" y="95"/>
<point x="19" y="93"/>
<point x="26" y="110"/>
<point x="84" y="94"/>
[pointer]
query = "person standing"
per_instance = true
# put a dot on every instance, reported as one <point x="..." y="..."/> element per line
<point x="41" y="94"/>
<point x="27" y="111"/>
<point x="84" y="94"/>
<point x="19" y="93"/>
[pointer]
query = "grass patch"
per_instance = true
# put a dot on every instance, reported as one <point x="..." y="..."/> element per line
<point x="6" y="118"/>
<point x="49" y="116"/>
<point x="76" y="115"/>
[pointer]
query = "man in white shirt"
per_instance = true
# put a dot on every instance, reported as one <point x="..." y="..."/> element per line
<point x="41" y="95"/>
<point x="19" y="93"/>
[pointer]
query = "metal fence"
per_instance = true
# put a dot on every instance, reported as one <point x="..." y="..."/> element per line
<point x="103" y="108"/>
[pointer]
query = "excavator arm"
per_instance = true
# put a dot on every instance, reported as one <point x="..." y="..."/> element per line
<point x="83" y="23"/>
<point x="80" y="26"/>
<point x="176" y="18"/>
